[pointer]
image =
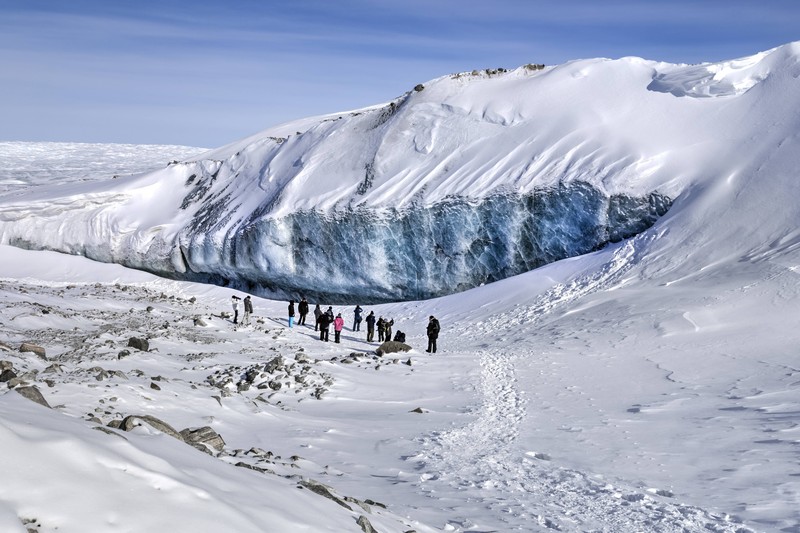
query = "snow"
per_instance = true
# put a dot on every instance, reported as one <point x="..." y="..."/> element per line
<point x="648" y="386"/>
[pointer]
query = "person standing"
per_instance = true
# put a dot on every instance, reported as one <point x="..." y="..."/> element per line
<point x="329" y="312"/>
<point x="235" y="304"/>
<point x="387" y="329"/>
<point x="433" y="334"/>
<point x="291" y="313"/>
<point x="338" y="324"/>
<point x="317" y="314"/>
<point x="370" y="326"/>
<point x="302" y="308"/>
<point x="357" y="318"/>
<point x="323" y="324"/>
<point x="381" y="325"/>
<point x="248" y="310"/>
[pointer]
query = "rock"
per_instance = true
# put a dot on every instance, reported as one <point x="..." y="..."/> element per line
<point x="366" y="527"/>
<point x="204" y="439"/>
<point x="192" y="300"/>
<point x="149" y="309"/>
<point x="33" y="348"/>
<point x="139" y="343"/>
<point x="199" y="322"/>
<point x="34" y="394"/>
<point x="392" y="347"/>
<point x="7" y="375"/>
<point x="274" y="364"/>
<point x="123" y="353"/>
<point x="274" y="385"/>
<point x="417" y="410"/>
<point x="322" y="490"/>
<point x="6" y="365"/>
<point x="302" y="358"/>
<point x="130" y="422"/>
<point x="5" y="347"/>
<point x="55" y="368"/>
<point x="154" y="386"/>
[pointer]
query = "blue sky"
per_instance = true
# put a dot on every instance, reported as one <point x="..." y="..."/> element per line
<point x="205" y="73"/>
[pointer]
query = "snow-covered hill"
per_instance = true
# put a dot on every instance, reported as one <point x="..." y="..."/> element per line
<point x="647" y="386"/>
<point x="463" y="180"/>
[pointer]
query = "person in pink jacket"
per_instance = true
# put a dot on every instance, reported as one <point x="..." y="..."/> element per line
<point x="338" y="324"/>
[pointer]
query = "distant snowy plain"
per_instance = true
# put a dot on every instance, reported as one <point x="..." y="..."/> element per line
<point x="648" y="386"/>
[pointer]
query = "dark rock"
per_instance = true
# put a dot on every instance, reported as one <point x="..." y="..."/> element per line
<point x="7" y="375"/>
<point x="200" y="322"/>
<point x="417" y="410"/>
<point x="139" y="343"/>
<point x="154" y="386"/>
<point x="392" y="347"/>
<point x="204" y="439"/>
<point x="123" y="353"/>
<point x="33" y="348"/>
<point x="322" y="490"/>
<point x="34" y="394"/>
<point x="419" y="87"/>
<point x="274" y="364"/>
<point x="130" y="422"/>
<point x="366" y="527"/>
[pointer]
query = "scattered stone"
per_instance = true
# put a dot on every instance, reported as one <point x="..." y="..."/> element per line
<point x="204" y="439"/>
<point x="365" y="525"/>
<point x="322" y="490"/>
<point x="7" y="375"/>
<point x="154" y="386"/>
<point x="34" y="394"/>
<point x="33" y="348"/>
<point x="123" y="353"/>
<point x="417" y="410"/>
<point x="105" y="429"/>
<point x="274" y="365"/>
<point x="199" y="322"/>
<point x="55" y="368"/>
<point x="149" y="309"/>
<point x="407" y="362"/>
<point x="130" y="422"/>
<point x="139" y="344"/>
<point x="5" y="347"/>
<point x="192" y="300"/>
<point x="392" y="347"/>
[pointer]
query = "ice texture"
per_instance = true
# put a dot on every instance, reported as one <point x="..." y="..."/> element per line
<point x="377" y="255"/>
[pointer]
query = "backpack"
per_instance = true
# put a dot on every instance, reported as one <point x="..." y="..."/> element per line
<point x="400" y="336"/>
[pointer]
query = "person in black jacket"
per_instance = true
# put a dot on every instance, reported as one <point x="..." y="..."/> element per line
<point x="433" y="334"/>
<point x="370" y="326"/>
<point x="324" y="322"/>
<point x="357" y="318"/>
<point x="302" y="308"/>
<point x="248" y="310"/>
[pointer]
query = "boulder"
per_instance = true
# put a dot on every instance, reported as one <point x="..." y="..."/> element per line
<point x="34" y="394"/>
<point x="392" y="347"/>
<point x="7" y="375"/>
<point x="204" y="439"/>
<point x="130" y="422"/>
<point x="33" y="348"/>
<point x="139" y="343"/>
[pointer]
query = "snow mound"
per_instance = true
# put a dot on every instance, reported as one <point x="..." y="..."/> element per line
<point x="728" y="78"/>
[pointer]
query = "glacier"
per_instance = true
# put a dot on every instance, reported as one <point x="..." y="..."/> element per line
<point x="463" y="180"/>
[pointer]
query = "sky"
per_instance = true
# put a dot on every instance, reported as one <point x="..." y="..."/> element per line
<point x="207" y="73"/>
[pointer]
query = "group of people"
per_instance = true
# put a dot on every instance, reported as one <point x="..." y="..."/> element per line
<point x="248" y="309"/>
<point x="324" y="319"/>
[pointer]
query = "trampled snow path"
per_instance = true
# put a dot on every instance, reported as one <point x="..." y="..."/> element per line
<point x="528" y="489"/>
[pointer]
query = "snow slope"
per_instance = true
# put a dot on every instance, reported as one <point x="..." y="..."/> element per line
<point x="648" y="386"/>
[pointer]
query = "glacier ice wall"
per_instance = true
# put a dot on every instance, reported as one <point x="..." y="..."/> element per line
<point x="376" y="255"/>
